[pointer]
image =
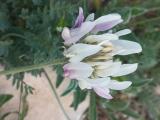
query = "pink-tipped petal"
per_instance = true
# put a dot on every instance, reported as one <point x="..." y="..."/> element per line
<point x="77" y="70"/>
<point x="107" y="22"/>
<point x="74" y="35"/>
<point x="79" y="19"/>
<point x="66" y="34"/>
<point x="103" y="92"/>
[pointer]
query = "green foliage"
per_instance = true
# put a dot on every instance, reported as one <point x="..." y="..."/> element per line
<point x="120" y="106"/>
<point x="130" y="112"/>
<point x="72" y="86"/>
<point x="4" y="98"/>
<point x="79" y="97"/>
<point x="59" y="71"/>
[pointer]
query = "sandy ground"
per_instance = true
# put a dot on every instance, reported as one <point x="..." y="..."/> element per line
<point x="42" y="104"/>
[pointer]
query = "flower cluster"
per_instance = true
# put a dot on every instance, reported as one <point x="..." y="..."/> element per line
<point x="91" y="54"/>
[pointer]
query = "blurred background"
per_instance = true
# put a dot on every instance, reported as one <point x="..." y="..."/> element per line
<point x="30" y="34"/>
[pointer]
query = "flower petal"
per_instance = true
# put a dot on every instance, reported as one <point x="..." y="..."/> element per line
<point x="74" y="35"/>
<point x="77" y="70"/>
<point x="79" y="19"/>
<point x="101" y="64"/>
<point x="90" y="17"/>
<point x="103" y="92"/>
<point x="79" y="51"/>
<point x="107" y="22"/>
<point x="116" y="85"/>
<point x="125" y="47"/>
<point x="126" y="69"/>
<point x="83" y="84"/>
<point x="123" y="32"/>
<point x="91" y="83"/>
<point x="66" y="34"/>
<point x="100" y="38"/>
<point x="108" y="69"/>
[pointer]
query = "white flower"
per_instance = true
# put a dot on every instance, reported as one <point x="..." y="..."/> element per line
<point x="91" y="59"/>
<point x="77" y="70"/>
<point x="109" y="44"/>
<point x="75" y="34"/>
<point x="101" y="82"/>
<point x="78" y="52"/>
<point x="113" y="44"/>
<point x="106" y="36"/>
<point x="81" y="27"/>
<point x="106" y="22"/>
<point x="125" y="47"/>
<point x="89" y="83"/>
<point x="114" y="85"/>
<point x="102" y="86"/>
<point x="114" y="69"/>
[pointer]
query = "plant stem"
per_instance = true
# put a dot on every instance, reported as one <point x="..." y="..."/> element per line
<point x="92" y="108"/>
<point x="12" y="34"/>
<point x="146" y="11"/>
<point x="56" y="95"/>
<point x="141" y="14"/>
<point x="20" y="103"/>
<point x="31" y="67"/>
<point x="148" y="20"/>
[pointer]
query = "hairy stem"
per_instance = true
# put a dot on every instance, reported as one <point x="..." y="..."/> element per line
<point x="31" y="67"/>
<point x="56" y="95"/>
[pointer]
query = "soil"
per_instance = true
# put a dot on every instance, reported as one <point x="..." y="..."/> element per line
<point x="42" y="104"/>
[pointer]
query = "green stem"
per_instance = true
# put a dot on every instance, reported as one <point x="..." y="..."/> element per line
<point x="56" y="95"/>
<point x="146" y="11"/>
<point x="12" y="34"/>
<point x="92" y="107"/>
<point x="148" y="20"/>
<point x="140" y="14"/>
<point x="31" y="67"/>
